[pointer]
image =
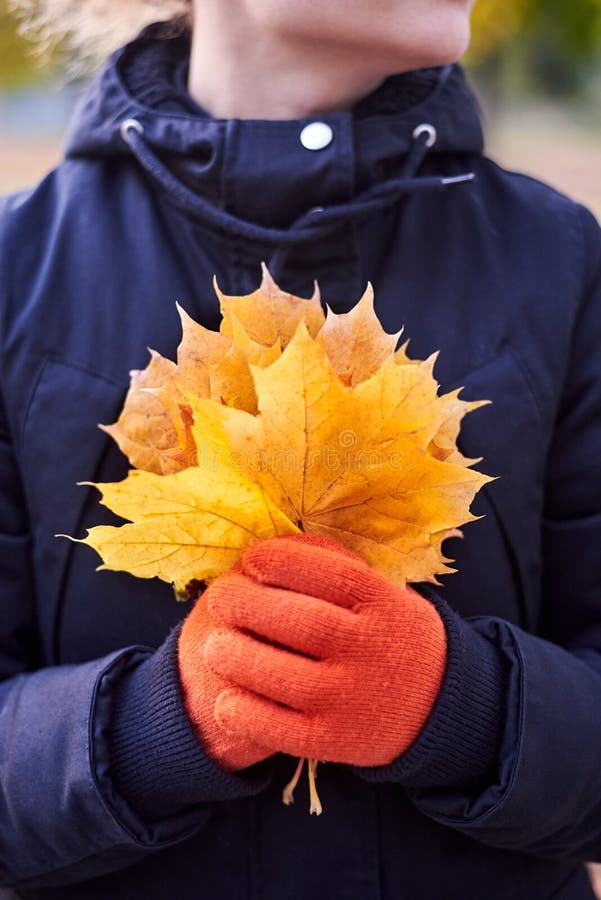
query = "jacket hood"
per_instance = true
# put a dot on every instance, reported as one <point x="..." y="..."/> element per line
<point x="217" y="168"/>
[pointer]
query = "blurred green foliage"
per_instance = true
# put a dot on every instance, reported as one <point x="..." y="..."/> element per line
<point x="553" y="43"/>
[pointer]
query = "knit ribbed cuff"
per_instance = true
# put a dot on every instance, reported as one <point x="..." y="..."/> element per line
<point x="459" y="744"/>
<point x="157" y="763"/>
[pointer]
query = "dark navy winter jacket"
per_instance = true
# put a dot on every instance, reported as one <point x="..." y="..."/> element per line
<point x="105" y="792"/>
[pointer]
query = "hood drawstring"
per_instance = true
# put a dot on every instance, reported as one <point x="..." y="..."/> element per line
<point x="316" y="222"/>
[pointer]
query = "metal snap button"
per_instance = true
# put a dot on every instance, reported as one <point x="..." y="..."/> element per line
<point x="316" y="136"/>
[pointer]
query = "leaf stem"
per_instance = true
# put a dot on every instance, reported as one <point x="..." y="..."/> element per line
<point x="315" y="807"/>
<point x="288" y="792"/>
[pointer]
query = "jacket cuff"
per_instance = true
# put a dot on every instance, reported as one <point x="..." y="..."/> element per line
<point x="157" y="763"/>
<point x="459" y="744"/>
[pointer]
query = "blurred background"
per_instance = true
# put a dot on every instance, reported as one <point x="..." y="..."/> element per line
<point x="536" y="65"/>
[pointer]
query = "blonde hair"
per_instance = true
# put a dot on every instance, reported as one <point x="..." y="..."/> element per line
<point x="90" y="29"/>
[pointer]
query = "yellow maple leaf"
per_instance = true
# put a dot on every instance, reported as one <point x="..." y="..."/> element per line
<point x="190" y="525"/>
<point x="354" y="463"/>
<point x="153" y="428"/>
<point x="232" y="382"/>
<point x="150" y="428"/>
<point x="444" y="442"/>
<point x="284" y="421"/>
<point x="270" y="314"/>
<point x="199" y="352"/>
<point x="355" y="342"/>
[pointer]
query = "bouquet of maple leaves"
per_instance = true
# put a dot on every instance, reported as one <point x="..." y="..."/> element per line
<point x="286" y="420"/>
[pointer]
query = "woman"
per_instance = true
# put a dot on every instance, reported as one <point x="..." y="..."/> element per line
<point x="142" y="758"/>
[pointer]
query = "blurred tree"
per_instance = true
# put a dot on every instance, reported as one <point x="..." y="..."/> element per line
<point x="554" y="42"/>
<point x="563" y="39"/>
<point x="17" y="63"/>
<point x="23" y="61"/>
<point x="494" y="24"/>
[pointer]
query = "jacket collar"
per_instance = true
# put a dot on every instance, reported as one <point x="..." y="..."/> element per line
<point x="259" y="168"/>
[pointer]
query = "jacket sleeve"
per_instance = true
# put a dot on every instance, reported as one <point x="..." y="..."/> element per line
<point x="511" y="753"/>
<point x="76" y="739"/>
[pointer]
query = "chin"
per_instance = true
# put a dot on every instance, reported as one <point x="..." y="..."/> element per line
<point x="406" y="36"/>
<point x="436" y="47"/>
<point x="452" y="45"/>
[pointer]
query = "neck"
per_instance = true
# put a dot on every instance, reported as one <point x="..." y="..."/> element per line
<point x="237" y="71"/>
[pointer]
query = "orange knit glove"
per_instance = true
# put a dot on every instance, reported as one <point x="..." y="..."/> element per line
<point x="201" y="686"/>
<point x="330" y="660"/>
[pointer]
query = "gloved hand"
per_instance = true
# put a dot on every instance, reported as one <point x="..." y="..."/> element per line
<point x="329" y="659"/>
<point x="201" y="687"/>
